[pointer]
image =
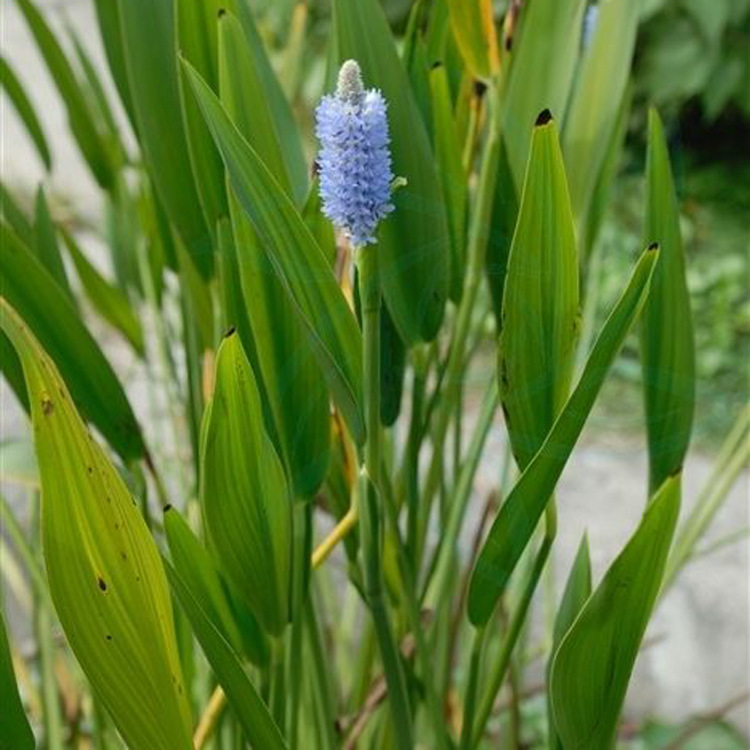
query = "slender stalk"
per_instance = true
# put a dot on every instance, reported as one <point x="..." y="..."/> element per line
<point x="471" y="689"/>
<point x="411" y="459"/>
<point x="320" y="674"/>
<point x="339" y="532"/>
<point x="278" y="682"/>
<point x="370" y="516"/>
<point x="477" y="247"/>
<point x="209" y="718"/>
<point x="518" y="619"/>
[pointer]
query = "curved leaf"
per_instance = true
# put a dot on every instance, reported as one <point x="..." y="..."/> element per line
<point x="474" y="29"/>
<point x="49" y="313"/>
<point x="519" y="515"/>
<point x="15" y="732"/>
<point x="254" y="716"/>
<point x="297" y="260"/>
<point x="414" y="242"/>
<point x="104" y="571"/>
<point x="667" y="347"/>
<point x="540" y="301"/>
<point x="245" y="499"/>
<point x="26" y="112"/>
<point x="592" y="667"/>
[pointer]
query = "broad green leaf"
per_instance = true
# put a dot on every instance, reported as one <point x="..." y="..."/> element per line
<point x="592" y="667"/>
<point x="540" y="301"/>
<point x="292" y="383"/>
<point x="46" y="247"/>
<point x="252" y="713"/>
<point x="452" y="176"/>
<point x="197" y="42"/>
<point x="196" y="568"/>
<point x="26" y="112"/>
<point x="577" y="591"/>
<point x="592" y="112"/>
<point x="414" y="60"/>
<point x="545" y="53"/>
<point x="48" y="312"/>
<point x="109" y="301"/>
<point x="82" y="124"/>
<point x="105" y="575"/>
<point x="524" y="506"/>
<point x="474" y="28"/>
<point x="148" y="33"/>
<point x="320" y="227"/>
<point x="15" y="732"/>
<point x="297" y="260"/>
<point x="414" y="242"/>
<point x="15" y="216"/>
<point x="667" y="347"/>
<point x="246" y="502"/>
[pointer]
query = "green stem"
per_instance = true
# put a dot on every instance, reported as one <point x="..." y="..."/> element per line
<point x="370" y="516"/>
<point x="411" y="465"/>
<point x="471" y="689"/>
<point x="278" y="686"/>
<point x="500" y="667"/>
<point x="320" y="674"/>
<point x="477" y="248"/>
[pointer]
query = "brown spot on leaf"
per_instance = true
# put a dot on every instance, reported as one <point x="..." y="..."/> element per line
<point x="102" y="583"/>
<point x="47" y="405"/>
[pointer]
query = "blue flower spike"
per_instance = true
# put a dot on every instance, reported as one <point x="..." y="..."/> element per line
<point x="354" y="159"/>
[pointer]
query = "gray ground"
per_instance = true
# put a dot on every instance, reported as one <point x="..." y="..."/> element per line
<point x="700" y="658"/>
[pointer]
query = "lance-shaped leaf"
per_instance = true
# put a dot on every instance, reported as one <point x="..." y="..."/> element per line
<point x="577" y="591"/>
<point x="474" y="30"/>
<point x="667" y="348"/>
<point x="26" y="112"/>
<point x="148" y="32"/>
<point x="246" y="501"/>
<point x="451" y="173"/>
<point x="593" y="664"/>
<point x="297" y="260"/>
<point x="49" y="313"/>
<point x="291" y="381"/>
<point x="545" y="54"/>
<point x="46" y="247"/>
<point x="252" y="713"/>
<point x="519" y="515"/>
<point x="80" y="117"/>
<point x="15" y="731"/>
<point x="540" y="301"/>
<point x="595" y="101"/>
<point x="413" y="242"/>
<point x="197" y="42"/>
<point x="105" y="575"/>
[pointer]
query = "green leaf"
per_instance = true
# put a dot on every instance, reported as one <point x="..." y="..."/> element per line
<point x="474" y="28"/>
<point x="577" y="591"/>
<point x="104" y="571"/>
<point x="593" y="664"/>
<point x="253" y="715"/>
<point x="549" y="30"/>
<point x="15" y="732"/>
<point x="196" y="568"/>
<point x="148" y="33"/>
<point x="540" y="300"/>
<point x="46" y="247"/>
<point x="453" y="181"/>
<point x="292" y="384"/>
<point x="26" y="112"/>
<point x="49" y="313"/>
<point x="15" y="216"/>
<point x="524" y="506"/>
<point x="297" y="260"/>
<point x="82" y="123"/>
<point x="109" y="301"/>
<point x="592" y="112"/>
<point x="414" y="242"/>
<point x="667" y="346"/>
<point x="197" y="42"/>
<point x="245" y="498"/>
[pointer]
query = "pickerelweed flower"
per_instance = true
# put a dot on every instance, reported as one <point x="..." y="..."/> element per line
<point x="354" y="160"/>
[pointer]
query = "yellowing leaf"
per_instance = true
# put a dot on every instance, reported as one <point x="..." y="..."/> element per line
<point x="105" y="575"/>
<point x="246" y="501"/>
<point x="474" y="29"/>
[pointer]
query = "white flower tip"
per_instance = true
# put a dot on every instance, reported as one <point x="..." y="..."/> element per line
<point x="350" y="87"/>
